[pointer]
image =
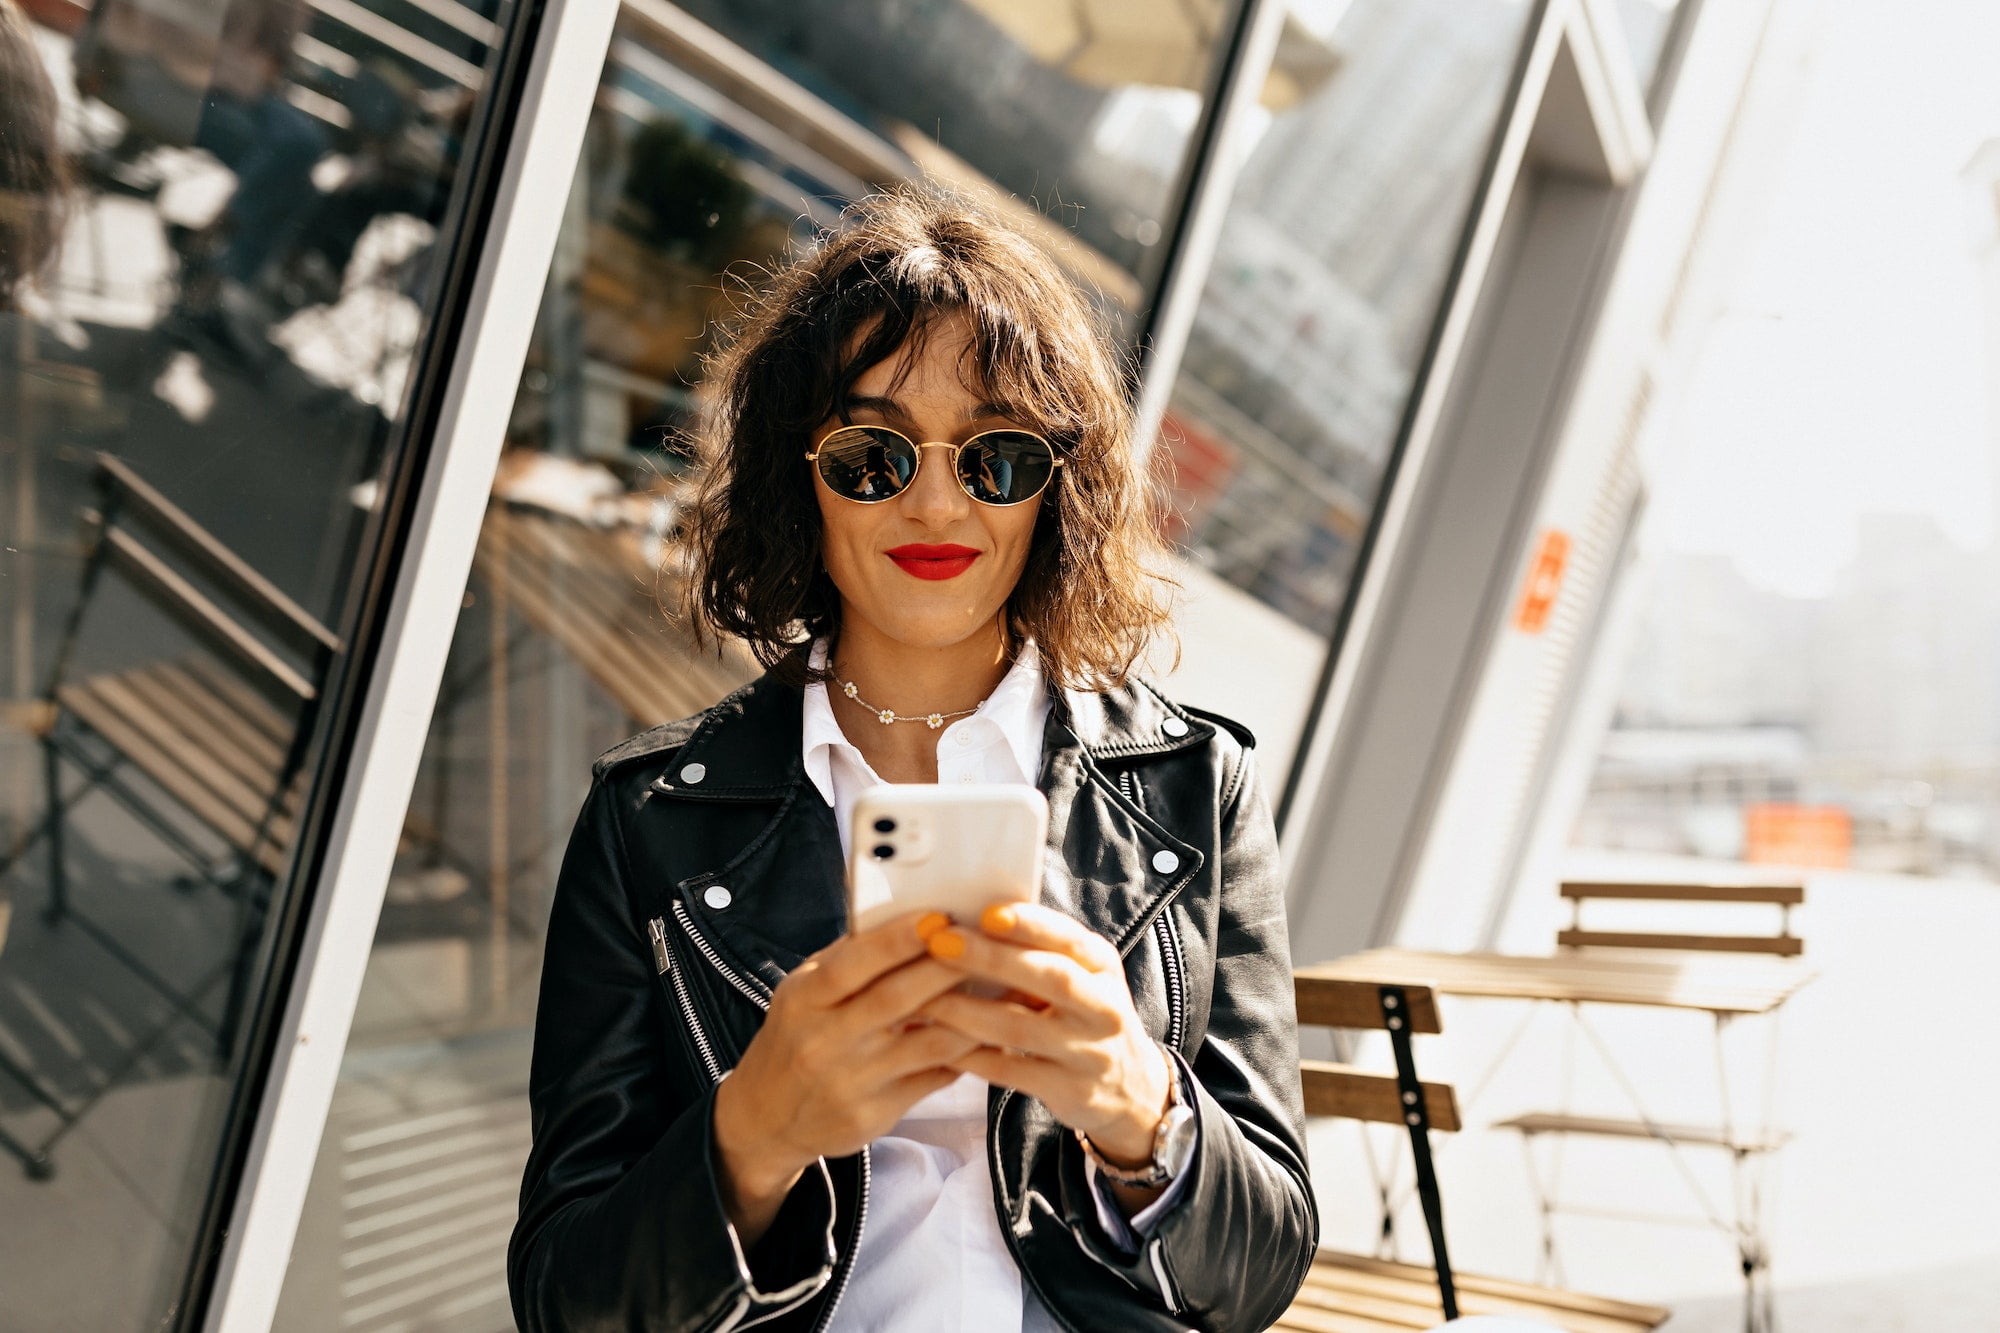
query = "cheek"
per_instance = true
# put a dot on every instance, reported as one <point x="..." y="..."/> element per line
<point x="836" y="533"/>
<point x="1013" y="533"/>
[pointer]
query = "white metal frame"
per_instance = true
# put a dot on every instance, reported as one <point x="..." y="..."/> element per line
<point x="520" y="241"/>
<point x="1501" y="396"/>
<point x="1318" y="765"/>
<point x="1214" y="181"/>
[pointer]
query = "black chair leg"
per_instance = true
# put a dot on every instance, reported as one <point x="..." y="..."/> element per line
<point x="1416" y="1115"/>
<point x="58" y="906"/>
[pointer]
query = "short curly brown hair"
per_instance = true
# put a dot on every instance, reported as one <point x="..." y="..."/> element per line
<point x="32" y="180"/>
<point x="1092" y="594"/>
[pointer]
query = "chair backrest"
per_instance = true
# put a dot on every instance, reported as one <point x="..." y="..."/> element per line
<point x="1394" y="1099"/>
<point x="1343" y="1091"/>
<point x="1783" y="895"/>
<point x="269" y="639"/>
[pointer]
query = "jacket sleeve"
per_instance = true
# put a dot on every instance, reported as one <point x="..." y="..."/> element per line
<point x="1233" y="1252"/>
<point x="621" y="1222"/>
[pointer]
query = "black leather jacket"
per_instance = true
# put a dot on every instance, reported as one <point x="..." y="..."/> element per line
<point x="654" y="982"/>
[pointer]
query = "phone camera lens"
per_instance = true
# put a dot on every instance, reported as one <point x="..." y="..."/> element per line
<point x="883" y="851"/>
<point x="885" y="825"/>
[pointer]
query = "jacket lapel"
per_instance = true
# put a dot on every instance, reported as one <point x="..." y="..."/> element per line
<point x="1108" y="863"/>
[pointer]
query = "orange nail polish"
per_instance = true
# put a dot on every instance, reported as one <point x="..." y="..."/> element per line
<point x="948" y="944"/>
<point x="930" y="923"/>
<point x="998" y="919"/>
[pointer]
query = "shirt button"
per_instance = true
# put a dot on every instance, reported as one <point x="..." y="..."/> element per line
<point x="965" y="777"/>
<point x="1173" y="726"/>
<point x="964" y="737"/>
<point x="694" y="773"/>
<point x="716" y="896"/>
<point x="1166" y="862"/>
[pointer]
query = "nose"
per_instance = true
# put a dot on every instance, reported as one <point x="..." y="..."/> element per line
<point x="934" y="498"/>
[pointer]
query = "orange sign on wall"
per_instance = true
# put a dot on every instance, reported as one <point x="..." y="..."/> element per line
<point x="1545" y="579"/>
<point x="1779" y="833"/>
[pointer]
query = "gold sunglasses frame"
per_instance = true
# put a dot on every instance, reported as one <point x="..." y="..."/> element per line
<point x="1055" y="458"/>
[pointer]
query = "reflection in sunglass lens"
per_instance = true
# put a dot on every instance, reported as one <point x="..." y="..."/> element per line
<point x="1005" y="467"/>
<point x="867" y="463"/>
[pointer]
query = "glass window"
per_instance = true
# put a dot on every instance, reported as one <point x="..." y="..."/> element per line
<point x="720" y="136"/>
<point x="199" y="392"/>
<point x="1327" y="280"/>
<point x="1083" y="109"/>
<point x="1647" y="25"/>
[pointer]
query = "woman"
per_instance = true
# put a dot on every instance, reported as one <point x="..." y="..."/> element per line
<point x="920" y="489"/>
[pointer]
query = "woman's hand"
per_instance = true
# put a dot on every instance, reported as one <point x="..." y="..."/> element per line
<point x="1065" y="1034"/>
<point x="841" y="1056"/>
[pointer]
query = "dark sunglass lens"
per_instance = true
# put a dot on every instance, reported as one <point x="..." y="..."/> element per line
<point x="864" y="463"/>
<point x="1005" y="467"/>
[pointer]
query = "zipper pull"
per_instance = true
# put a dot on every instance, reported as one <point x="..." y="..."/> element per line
<point x="657" y="928"/>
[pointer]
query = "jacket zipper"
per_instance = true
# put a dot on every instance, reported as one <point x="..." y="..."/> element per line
<point x="755" y="994"/>
<point x="846" y="1270"/>
<point x="1172" y="966"/>
<point x="663" y="960"/>
<point x="662" y="956"/>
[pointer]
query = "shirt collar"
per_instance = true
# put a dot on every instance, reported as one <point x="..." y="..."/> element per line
<point x="819" y="730"/>
<point x="1018" y="707"/>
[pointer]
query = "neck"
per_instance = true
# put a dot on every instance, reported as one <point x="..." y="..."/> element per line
<point x="913" y="681"/>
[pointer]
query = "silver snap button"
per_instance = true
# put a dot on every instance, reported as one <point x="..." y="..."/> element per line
<point x="716" y="896"/>
<point x="1173" y="726"/>
<point x="1166" y="862"/>
<point x="694" y="773"/>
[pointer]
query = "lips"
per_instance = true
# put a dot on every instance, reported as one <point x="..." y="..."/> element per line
<point x="924" y="561"/>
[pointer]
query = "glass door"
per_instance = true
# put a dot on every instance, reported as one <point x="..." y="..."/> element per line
<point x="228" y="235"/>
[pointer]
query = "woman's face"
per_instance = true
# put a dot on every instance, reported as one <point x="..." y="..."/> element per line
<point x="931" y="566"/>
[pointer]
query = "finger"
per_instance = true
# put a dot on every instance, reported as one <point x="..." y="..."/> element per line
<point x="997" y="1023"/>
<point x="1038" y="1078"/>
<point x="907" y="1091"/>
<point x="853" y="961"/>
<point x="929" y="1047"/>
<point x="1045" y="974"/>
<point x="897" y="994"/>
<point x="1034" y="926"/>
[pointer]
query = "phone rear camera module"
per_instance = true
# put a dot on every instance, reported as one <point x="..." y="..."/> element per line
<point x="885" y="825"/>
<point x="883" y="851"/>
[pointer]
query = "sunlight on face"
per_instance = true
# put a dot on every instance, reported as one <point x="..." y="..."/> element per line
<point x="930" y="567"/>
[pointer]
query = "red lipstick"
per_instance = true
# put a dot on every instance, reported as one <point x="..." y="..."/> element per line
<point x="924" y="561"/>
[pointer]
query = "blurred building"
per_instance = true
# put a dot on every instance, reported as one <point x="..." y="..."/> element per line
<point x="371" y="342"/>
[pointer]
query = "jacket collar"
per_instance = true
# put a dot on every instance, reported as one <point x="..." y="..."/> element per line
<point x="747" y="748"/>
<point x="1112" y="869"/>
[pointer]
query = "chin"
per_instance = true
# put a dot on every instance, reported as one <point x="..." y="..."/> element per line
<point x="933" y="631"/>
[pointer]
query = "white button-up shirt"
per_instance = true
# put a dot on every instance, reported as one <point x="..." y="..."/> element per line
<point x="931" y="1253"/>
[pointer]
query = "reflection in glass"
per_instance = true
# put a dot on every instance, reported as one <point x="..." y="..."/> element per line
<point x="1326" y="283"/>
<point x="1647" y="24"/>
<point x="196" y="401"/>
<point x="718" y="140"/>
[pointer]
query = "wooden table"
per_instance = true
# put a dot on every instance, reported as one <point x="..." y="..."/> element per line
<point x="1717" y="985"/>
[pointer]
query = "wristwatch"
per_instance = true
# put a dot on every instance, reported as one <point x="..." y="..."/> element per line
<point x="1173" y="1141"/>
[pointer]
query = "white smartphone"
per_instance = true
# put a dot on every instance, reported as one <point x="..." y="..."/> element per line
<point x="956" y="850"/>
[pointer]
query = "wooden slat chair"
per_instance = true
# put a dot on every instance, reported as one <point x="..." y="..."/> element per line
<point x="1636" y="944"/>
<point x="593" y="591"/>
<point x="1352" y="1293"/>
<point x="215" y="739"/>
<point x="1747" y="1145"/>
<point x="1782" y="895"/>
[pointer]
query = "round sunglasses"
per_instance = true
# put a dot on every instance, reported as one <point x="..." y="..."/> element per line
<point x="870" y="464"/>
